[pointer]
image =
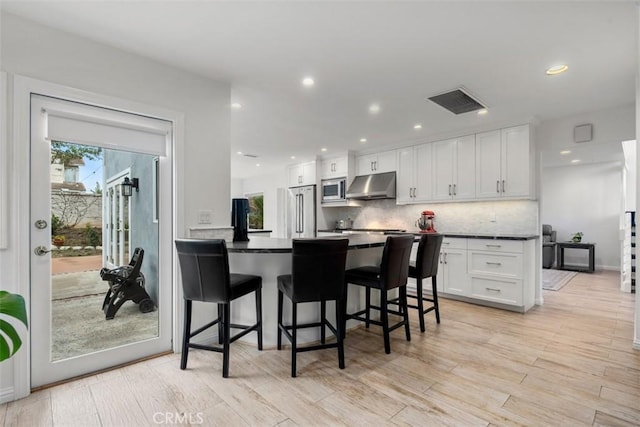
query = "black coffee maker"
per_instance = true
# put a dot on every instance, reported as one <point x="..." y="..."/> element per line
<point x="240" y="219"/>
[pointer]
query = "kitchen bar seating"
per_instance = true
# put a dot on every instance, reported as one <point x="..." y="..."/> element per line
<point x="205" y="277"/>
<point x="392" y="273"/>
<point x="426" y="266"/>
<point x="318" y="270"/>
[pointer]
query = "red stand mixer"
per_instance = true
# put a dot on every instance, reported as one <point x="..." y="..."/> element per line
<point x="425" y="222"/>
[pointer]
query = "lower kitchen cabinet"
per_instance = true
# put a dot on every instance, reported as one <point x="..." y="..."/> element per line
<point x="452" y="271"/>
<point x="489" y="271"/>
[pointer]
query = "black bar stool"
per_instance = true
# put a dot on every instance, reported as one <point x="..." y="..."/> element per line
<point x="390" y="274"/>
<point x="317" y="276"/>
<point x="206" y="277"/>
<point x="426" y="266"/>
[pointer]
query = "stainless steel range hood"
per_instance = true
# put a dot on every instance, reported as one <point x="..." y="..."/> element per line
<point x="370" y="187"/>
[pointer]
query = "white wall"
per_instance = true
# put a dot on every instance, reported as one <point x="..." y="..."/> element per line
<point x="36" y="51"/>
<point x="586" y="198"/>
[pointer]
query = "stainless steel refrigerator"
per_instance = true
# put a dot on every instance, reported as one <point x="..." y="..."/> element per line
<point x="301" y="217"/>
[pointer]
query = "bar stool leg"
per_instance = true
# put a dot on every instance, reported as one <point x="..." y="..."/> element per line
<point x="294" y="330"/>
<point x="186" y="334"/>
<point x="405" y="311"/>
<point x="339" y="336"/>
<point x="226" y="318"/>
<point x="280" y="320"/>
<point x="434" y="290"/>
<point x="220" y="329"/>
<point x="367" y="304"/>
<point x="323" y="321"/>
<point x="420" y="303"/>
<point x="259" y="316"/>
<point x="385" y="320"/>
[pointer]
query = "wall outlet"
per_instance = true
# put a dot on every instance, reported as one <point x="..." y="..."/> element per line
<point x="492" y="217"/>
<point x="205" y="217"/>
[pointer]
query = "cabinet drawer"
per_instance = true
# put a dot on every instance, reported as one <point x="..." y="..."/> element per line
<point x="495" y="264"/>
<point x="495" y="245"/>
<point x="454" y="243"/>
<point x="501" y="291"/>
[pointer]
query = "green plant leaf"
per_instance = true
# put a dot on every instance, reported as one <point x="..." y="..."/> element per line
<point x="5" y="351"/>
<point x="11" y="305"/>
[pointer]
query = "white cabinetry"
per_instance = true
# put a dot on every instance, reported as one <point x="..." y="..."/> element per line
<point x="452" y="271"/>
<point x="500" y="271"/>
<point x="337" y="167"/>
<point x="503" y="163"/>
<point x="454" y="165"/>
<point x="302" y="174"/>
<point x="414" y="182"/>
<point x="376" y="163"/>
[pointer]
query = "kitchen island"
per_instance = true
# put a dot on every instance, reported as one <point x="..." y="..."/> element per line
<point x="271" y="257"/>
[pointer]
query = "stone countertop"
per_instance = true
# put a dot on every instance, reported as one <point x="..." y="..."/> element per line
<point x="494" y="236"/>
<point x="270" y="245"/>
<point x="363" y="230"/>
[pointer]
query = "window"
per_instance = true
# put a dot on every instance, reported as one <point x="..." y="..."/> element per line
<point x="256" y="211"/>
<point x="71" y="174"/>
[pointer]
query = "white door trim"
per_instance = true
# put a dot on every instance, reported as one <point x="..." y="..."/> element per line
<point x="18" y="243"/>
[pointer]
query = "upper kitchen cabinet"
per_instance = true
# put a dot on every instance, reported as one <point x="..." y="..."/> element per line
<point x="503" y="163"/>
<point x="413" y="179"/>
<point x="337" y="167"/>
<point x="302" y="174"/>
<point x="376" y="163"/>
<point x="454" y="164"/>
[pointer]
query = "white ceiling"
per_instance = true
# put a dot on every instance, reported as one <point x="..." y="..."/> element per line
<point x="393" y="53"/>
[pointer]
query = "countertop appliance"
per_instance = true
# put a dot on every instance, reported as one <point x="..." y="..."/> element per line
<point x="370" y="187"/>
<point x="301" y="212"/>
<point x="334" y="190"/>
<point x="425" y="222"/>
<point x="344" y="224"/>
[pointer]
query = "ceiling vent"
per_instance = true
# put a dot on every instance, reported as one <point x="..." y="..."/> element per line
<point x="253" y="156"/>
<point x="457" y="101"/>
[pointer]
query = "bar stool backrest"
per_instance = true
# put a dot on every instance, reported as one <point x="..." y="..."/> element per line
<point x="427" y="256"/>
<point x="394" y="268"/>
<point x="318" y="269"/>
<point x="205" y="270"/>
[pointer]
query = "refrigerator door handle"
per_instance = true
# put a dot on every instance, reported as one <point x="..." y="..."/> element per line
<point x="301" y="213"/>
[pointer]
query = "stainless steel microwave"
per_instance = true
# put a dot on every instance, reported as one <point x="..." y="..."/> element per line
<point x="334" y="190"/>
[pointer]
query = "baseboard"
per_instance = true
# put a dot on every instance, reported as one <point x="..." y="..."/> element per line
<point x="636" y="344"/>
<point x="7" y="395"/>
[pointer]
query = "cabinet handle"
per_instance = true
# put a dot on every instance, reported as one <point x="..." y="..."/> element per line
<point x="494" y="263"/>
<point x="493" y="289"/>
<point x="493" y="246"/>
<point x="449" y="189"/>
<point x="454" y="190"/>
<point x="445" y="257"/>
<point x="503" y="185"/>
<point x="375" y="165"/>
<point x="498" y="186"/>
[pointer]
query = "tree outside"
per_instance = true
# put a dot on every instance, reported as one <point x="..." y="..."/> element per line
<point x="256" y="211"/>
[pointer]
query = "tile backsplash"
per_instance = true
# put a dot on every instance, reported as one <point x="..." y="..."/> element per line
<point x="512" y="216"/>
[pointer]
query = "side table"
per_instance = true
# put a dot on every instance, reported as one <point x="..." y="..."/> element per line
<point x="591" y="247"/>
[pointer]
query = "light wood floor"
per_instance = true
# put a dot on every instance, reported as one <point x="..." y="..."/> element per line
<point x="569" y="362"/>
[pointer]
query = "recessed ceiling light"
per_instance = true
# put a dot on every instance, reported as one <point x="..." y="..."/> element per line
<point x="293" y="157"/>
<point x="417" y="126"/>
<point x="257" y="164"/>
<point x="564" y="152"/>
<point x="240" y="153"/>
<point x="308" y="82"/>
<point x="374" y="108"/>
<point x="575" y="161"/>
<point x="323" y="149"/>
<point x="482" y="111"/>
<point x="557" y="69"/>
<point x="363" y="140"/>
<point x="236" y="106"/>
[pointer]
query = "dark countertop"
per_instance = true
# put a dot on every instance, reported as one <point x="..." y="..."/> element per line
<point x="257" y="231"/>
<point x="468" y="235"/>
<point x="363" y="230"/>
<point x="270" y="245"/>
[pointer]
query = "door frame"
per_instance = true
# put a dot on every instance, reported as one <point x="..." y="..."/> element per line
<point x="23" y="87"/>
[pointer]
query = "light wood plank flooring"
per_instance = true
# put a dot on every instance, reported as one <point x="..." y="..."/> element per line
<point x="569" y="362"/>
